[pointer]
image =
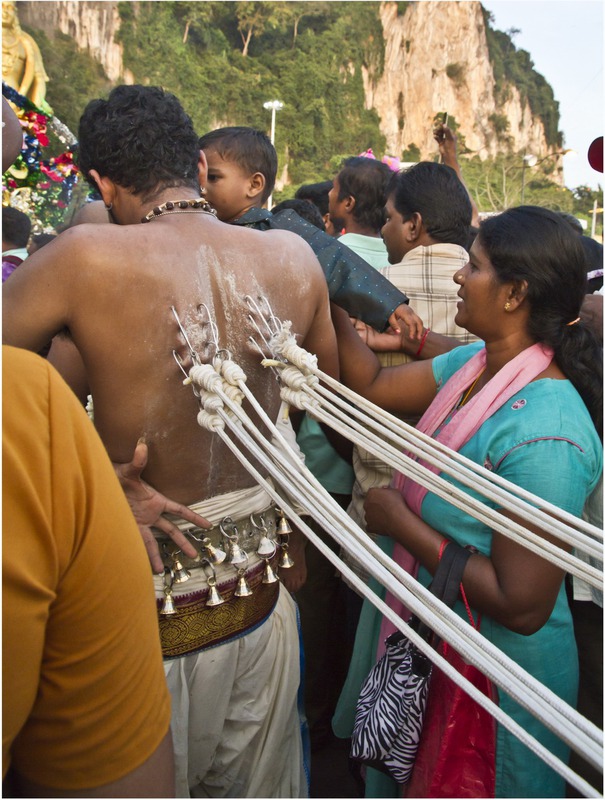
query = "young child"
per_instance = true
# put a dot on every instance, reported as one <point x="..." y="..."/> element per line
<point x="242" y="166"/>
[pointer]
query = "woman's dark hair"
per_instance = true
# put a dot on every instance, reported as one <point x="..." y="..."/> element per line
<point x="141" y="138"/>
<point x="535" y="245"/>
<point x="593" y="251"/>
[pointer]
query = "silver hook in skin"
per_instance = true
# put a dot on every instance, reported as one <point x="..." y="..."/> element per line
<point x="187" y="380"/>
<point x="277" y="323"/>
<point x="194" y="356"/>
<point x="266" y="316"/>
<point x="259" y="331"/>
<point x="262" y="354"/>
<point x="211" y="323"/>
<point x="179" y="362"/>
<point x="221" y="355"/>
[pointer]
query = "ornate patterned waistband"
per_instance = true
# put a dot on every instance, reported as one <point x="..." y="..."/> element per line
<point x="196" y="626"/>
<point x="228" y="589"/>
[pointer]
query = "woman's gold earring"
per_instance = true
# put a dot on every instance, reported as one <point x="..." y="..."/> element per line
<point x="507" y="306"/>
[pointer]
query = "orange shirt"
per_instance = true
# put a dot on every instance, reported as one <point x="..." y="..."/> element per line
<point x="84" y="695"/>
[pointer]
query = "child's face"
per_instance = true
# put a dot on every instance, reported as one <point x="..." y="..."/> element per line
<point x="227" y="187"/>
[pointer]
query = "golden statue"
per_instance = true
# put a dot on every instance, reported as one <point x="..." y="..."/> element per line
<point x="22" y="66"/>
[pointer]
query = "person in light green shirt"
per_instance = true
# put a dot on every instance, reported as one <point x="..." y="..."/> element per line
<point x="356" y="206"/>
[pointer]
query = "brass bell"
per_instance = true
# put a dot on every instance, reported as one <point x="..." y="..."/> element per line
<point x="268" y="575"/>
<point x="285" y="562"/>
<point x="242" y="589"/>
<point x="214" y="597"/>
<point x="236" y="554"/>
<point x="180" y="573"/>
<point x="214" y="554"/>
<point x="168" y="606"/>
<point x="266" y="548"/>
<point x="283" y="526"/>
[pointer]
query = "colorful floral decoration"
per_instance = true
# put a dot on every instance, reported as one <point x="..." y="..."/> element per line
<point x="42" y="188"/>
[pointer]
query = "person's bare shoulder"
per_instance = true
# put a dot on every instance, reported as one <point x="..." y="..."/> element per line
<point x="74" y="264"/>
<point x="94" y="212"/>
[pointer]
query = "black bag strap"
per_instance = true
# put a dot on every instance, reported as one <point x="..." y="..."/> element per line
<point x="446" y="581"/>
<point x="448" y="576"/>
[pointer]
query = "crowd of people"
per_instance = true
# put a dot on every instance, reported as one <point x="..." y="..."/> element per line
<point x="183" y="640"/>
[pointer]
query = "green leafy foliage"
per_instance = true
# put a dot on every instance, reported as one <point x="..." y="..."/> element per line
<point x="238" y="55"/>
<point x="411" y="153"/>
<point x="456" y="73"/>
<point x="584" y="200"/>
<point x="514" y="67"/>
<point x="499" y="123"/>
<point x="74" y="78"/>
<point x="502" y="183"/>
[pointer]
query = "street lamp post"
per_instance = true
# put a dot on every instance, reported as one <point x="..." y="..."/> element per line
<point x="273" y="106"/>
<point x="530" y="160"/>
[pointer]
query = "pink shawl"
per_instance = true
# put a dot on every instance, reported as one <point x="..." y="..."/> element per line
<point x="463" y="425"/>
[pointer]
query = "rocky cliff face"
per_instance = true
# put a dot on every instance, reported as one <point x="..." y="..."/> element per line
<point x="436" y="59"/>
<point x="92" y="25"/>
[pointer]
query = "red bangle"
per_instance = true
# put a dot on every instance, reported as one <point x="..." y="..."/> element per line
<point x="422" y="341"/>
<point x="444" y="544"/>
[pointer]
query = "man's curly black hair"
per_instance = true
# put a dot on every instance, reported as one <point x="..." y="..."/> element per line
<point x="141" y="138"/>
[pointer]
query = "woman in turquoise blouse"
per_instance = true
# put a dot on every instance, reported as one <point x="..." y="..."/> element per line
<point x="526" y="405"/>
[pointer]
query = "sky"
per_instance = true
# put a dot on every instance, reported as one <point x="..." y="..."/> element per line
<point x="565" y="41"/>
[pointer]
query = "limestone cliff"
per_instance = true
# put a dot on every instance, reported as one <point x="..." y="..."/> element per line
<point x="436" y="59"/>
<point x="92" y="25"/>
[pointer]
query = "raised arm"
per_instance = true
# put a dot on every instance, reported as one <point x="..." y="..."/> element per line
<point x="446" y="140"/>
<point x="407" y="389"/>
<point x="430" y="344"/>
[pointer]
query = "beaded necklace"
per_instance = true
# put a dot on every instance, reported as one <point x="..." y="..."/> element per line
<point x="180" y="207"/>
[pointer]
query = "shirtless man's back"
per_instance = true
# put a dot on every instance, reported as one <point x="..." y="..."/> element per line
<point x="113" y="288"/>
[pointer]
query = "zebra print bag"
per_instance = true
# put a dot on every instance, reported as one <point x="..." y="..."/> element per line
<point x="390" y="709"/>
<point x="391" y="705"/>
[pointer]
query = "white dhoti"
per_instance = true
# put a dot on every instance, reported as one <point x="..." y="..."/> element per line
<point x="235" y="721"/>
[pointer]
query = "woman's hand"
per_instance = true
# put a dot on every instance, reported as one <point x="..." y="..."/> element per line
<point x="387" y="342"/>
<point x="385" y="511"/>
